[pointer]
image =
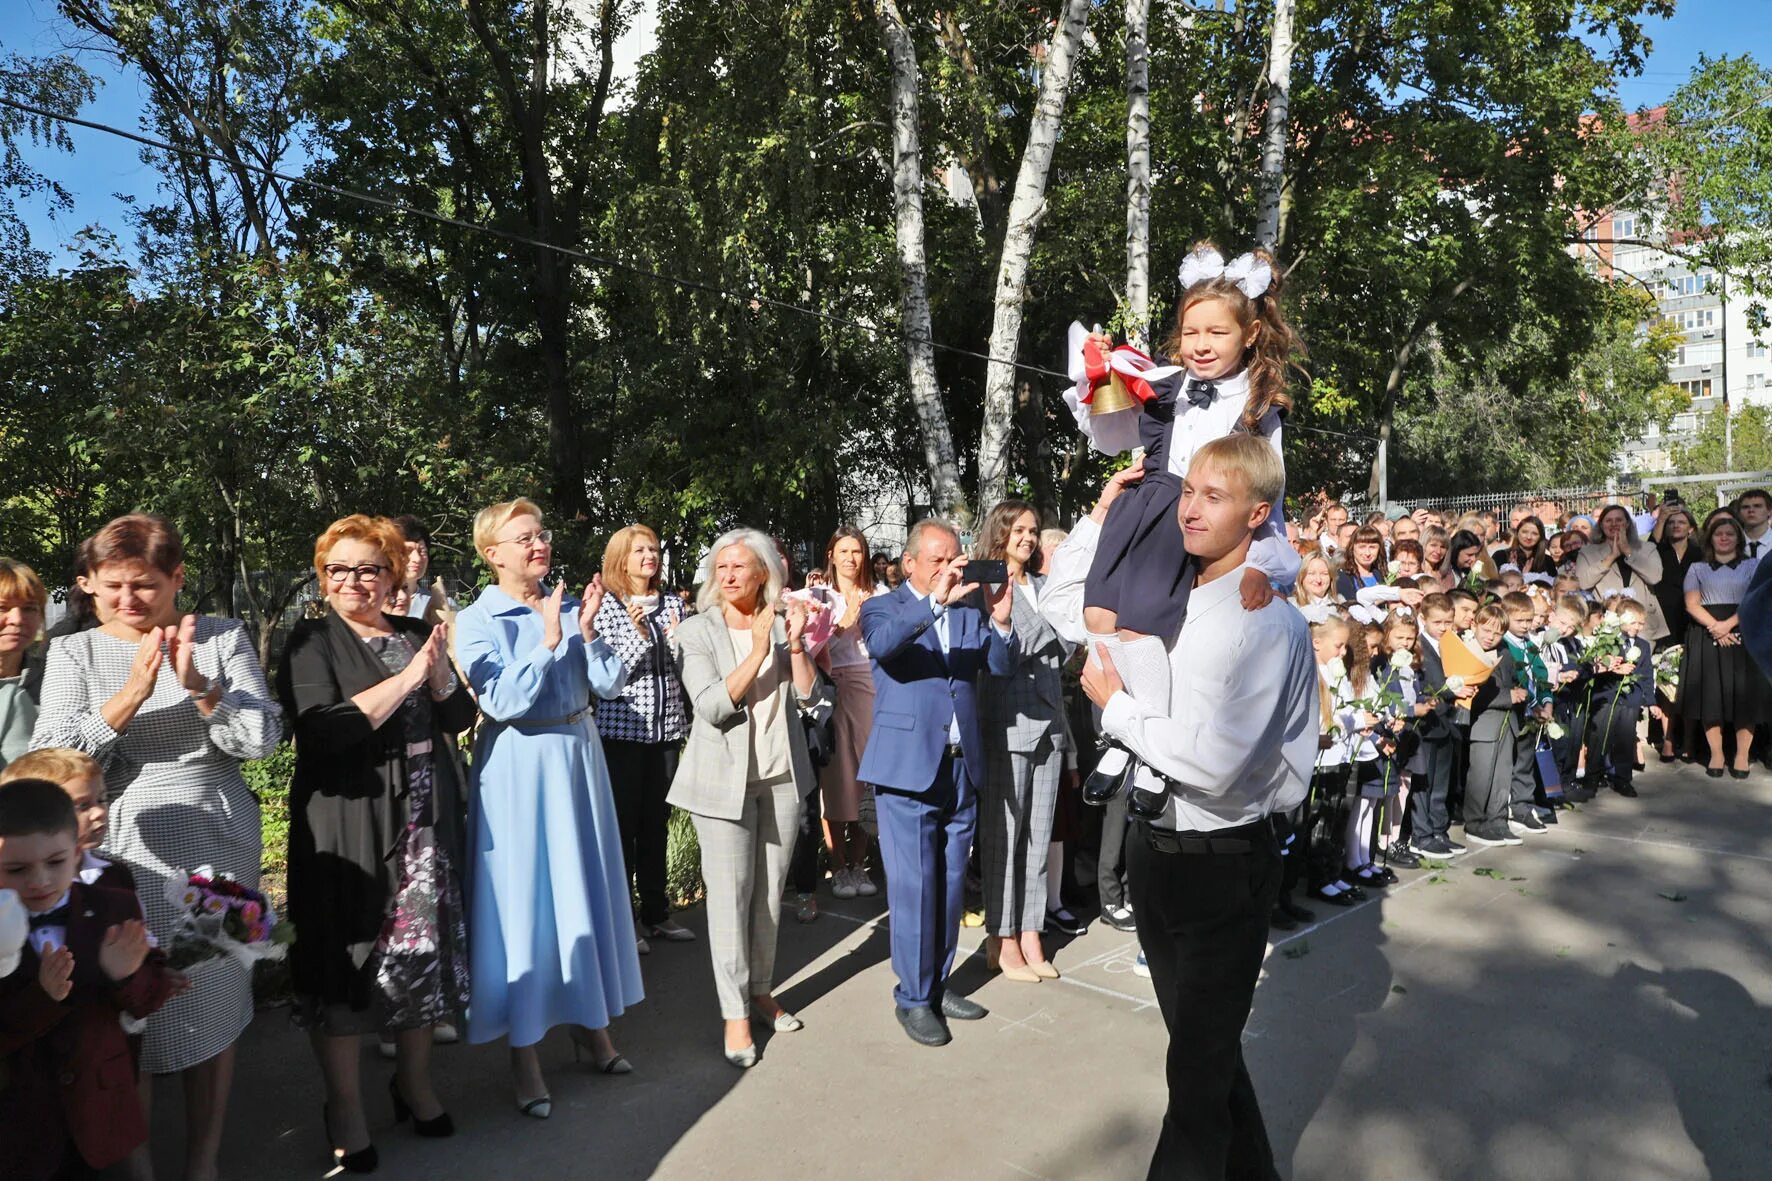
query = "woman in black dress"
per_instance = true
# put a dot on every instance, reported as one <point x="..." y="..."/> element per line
<point x="374" y="843"/>
<point x="1720" y="686"/>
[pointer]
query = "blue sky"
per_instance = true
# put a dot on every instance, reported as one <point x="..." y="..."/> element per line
<point x="102" y="166"/>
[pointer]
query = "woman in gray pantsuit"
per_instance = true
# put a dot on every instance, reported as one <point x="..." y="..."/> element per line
<point x="1025" y="743"/>
<point x="745" y="769"/>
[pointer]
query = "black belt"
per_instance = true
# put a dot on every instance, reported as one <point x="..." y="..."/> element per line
<point x="1226" y="841"/>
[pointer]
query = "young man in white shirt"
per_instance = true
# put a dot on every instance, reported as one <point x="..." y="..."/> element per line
<point x="1236" y="741"/>
<point x="1753" y="509"/>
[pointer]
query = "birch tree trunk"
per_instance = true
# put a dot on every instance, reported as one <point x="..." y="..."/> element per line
<point x="1026" y="210"/>
<point x="913" y="267"/>
<point x="1138" y="172"/>
<point x="1275" y="130"/>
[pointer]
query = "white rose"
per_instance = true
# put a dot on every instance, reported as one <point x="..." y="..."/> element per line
<point x="1554" y="730"/>
<point x="1396" y="567"/>
<point x="1612" y="619"/>
<point x="1335" y="672"/>
<point x="1403" y="662"/>
<point x="1454" y="684"/>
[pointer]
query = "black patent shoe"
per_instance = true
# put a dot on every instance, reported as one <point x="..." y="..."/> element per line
<point x="435" y="1128"/>
<point x="364" y="1160"/>
<point x="1144" y="804"/>
<point x="1294" y="911"/>
<point x="1279" y="920"/>
<point x="1102" y="786"/>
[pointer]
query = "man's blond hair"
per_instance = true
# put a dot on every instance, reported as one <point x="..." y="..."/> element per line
<point x="1250" y="457"/>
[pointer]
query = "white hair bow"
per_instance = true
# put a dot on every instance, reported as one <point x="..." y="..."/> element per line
<point x="1370" y="616"/>
<point x="1509" y="568"/>
<point x="1319" y="612"/>
<point x="1252" y="275"/>
<point x="1403" y="611"/>
<point x="1624" y="592"/>
<point x="1541" y="579"/>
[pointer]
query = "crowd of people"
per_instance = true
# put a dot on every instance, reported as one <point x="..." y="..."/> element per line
<point x="482" y="792"/>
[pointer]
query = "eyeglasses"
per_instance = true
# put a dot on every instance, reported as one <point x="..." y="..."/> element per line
<point x="367" y="575"/>
<point x="546" y="537"/>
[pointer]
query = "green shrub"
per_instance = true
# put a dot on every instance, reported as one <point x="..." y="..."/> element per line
<point x="682" y="861"/>
<point x="269" y="780"/>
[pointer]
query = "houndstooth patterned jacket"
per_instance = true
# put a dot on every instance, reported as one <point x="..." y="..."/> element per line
<point x="1018" y="712"/>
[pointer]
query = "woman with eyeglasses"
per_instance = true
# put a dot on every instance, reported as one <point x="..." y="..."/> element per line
<point x="170" y="705"/>
<point x="553" y="926"/>
<point x="374" y="845"/>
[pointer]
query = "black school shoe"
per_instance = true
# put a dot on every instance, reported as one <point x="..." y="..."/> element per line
<point x="1623" y="787"/>
<point x="1405" y="857"/>
<point x="1292" y="910"/>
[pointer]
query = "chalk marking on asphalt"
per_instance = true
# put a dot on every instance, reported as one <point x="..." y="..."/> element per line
<point x="1639" y="839"/>
<point x="1345" y="911"/>
<point x="1140" y="1003"/>
<point x="1026" y="1172"/>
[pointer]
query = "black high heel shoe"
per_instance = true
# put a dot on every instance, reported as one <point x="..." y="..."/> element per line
<point x="435" y="1128"/>
<point x="364" y="1160"/>
<point x="1101" y="786"/>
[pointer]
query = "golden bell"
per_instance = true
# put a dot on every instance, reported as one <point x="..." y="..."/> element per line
<point x="1112" y="397"/>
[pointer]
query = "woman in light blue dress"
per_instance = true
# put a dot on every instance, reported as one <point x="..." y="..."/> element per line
<point x="550" y="925"/>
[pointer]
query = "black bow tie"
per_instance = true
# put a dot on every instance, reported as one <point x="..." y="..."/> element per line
<point x="1200" y="393"/>
<point x="51" y="918"/>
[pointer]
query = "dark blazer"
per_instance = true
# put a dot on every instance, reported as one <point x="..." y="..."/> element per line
<point x="1492" y="709"/>
<point x="1435" y="727"/>
<point x="347" y="801"/>
<point x="67" y="1079"/>
<point x="919" y="690"/>
<point x="1348" y="586"/>
<point x="1756" y="618"/>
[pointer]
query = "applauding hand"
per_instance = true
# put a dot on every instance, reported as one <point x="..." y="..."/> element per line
<point x="124" y="948"/>
<point x="551" y="635"/>
<point x="589" y="606"/>
<point x="55" y="973"/>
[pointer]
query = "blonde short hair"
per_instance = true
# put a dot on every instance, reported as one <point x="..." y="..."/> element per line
<point x="1251" y="457"/>
<point x="20" y="586"/>
<point x="379" y="532"/>
<point x="762" y="549"/>
<point x="58" y="764"/>
<point x="489" y="520"/>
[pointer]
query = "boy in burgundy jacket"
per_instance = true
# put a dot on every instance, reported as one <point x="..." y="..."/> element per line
<point x="67" y="1082"/>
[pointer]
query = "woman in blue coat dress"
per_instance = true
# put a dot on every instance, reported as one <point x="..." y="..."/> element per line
<point x="550" y="924"/>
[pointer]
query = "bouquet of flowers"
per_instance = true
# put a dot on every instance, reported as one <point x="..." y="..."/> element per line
<point x="218" y="916"/>
<point x="1667" y="669"/>
<point x="1392" y="572"/>
<point x="1606" y="641"/>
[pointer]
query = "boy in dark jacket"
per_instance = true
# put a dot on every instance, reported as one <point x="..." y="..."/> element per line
<point x="1621" y="691"/>
<point x="67" y="1081"/>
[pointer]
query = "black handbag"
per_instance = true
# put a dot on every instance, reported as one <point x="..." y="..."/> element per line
<point x="821" y="738"/>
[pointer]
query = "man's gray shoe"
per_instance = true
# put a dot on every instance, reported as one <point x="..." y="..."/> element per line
<point x="923" y="1026"/>
<point x="959" y="1008"/>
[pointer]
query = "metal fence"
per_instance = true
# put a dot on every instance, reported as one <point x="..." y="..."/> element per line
<point x="1590" y="499"/>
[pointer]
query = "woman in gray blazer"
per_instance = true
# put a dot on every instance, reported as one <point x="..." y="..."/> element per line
<point x="745" y="769"/>
<point x="1025" y="740"/>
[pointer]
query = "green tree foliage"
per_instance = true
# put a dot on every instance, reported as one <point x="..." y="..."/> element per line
<point x="285" y="355"/>
<point x="1504" y="422"/>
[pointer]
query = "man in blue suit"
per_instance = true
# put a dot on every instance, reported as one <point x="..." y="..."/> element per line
<point x="1756" y="617"/>
<point x="925" y="759"/>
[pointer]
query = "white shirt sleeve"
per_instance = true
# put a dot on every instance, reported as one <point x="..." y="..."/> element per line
<point x="1210" y="754"/>
<point x="1061" y="598"/>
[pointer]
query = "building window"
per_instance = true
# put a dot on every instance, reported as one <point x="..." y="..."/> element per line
<point x="1755" y="349"/>
<point x="1753" y="381"/>
<point x="1624" y="225"/>
<point x="1680" y="355"/>
<point x="1697" y="389"/>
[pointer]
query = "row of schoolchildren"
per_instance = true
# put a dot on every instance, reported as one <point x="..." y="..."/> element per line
<point x="1405" y="747"/>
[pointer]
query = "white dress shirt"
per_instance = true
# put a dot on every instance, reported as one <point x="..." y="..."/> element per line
<point x="1239" y="732"/>
<point x="48" y="936"/>
<point x="941" y="633"/>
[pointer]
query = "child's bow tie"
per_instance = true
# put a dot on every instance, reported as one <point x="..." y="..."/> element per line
<point x="1200" y="393"/>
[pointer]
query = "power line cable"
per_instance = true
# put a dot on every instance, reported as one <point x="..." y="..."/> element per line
<point x="753" y="299"/>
